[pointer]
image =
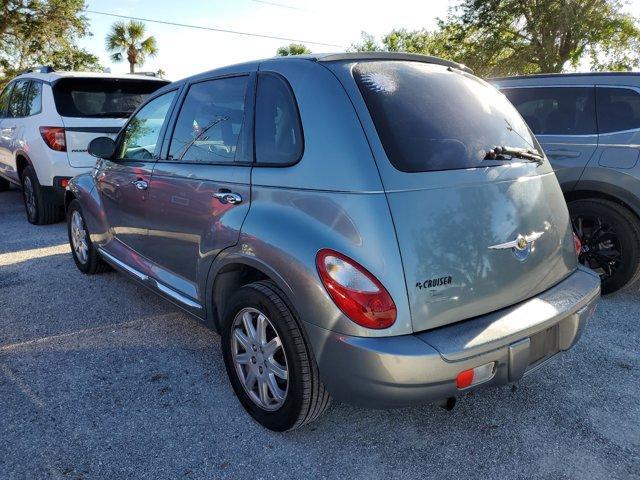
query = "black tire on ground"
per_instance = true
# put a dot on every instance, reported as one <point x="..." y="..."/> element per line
<point x="4" y="185"/>
<point x="93" y="263"/>
<point x="40" y="209"/>
<point x="306" y="398"/>
<point x="622" y="223"/>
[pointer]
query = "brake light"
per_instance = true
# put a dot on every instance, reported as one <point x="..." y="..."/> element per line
<point x="577" y="243"/>
<point x="55" y="138"/>
<point x="355" y="291"/>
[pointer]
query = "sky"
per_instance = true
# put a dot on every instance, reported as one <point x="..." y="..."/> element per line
<point x="186" y="51"/>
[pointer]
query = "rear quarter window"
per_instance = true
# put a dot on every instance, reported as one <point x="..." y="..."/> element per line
<point x="556" y="110"/>
<point x="429" y="117"/>
<point x="618" y="109"/>
<point x="278" y="130"/>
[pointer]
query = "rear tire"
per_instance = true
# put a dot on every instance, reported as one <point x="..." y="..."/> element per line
<point x="610" y="234"/>
<point x="39" y="207"/>
<point x="304" y="398"/>
<point x="4" y="185"/>
<point x="84" y="252"/>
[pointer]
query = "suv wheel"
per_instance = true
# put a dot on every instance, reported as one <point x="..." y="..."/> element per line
<point x="269" y="364"/>
<point x="40" y="209"/>
<point x="4" y="185"/>
<point x="84" y="252"/>
<point x="610" y="236"/>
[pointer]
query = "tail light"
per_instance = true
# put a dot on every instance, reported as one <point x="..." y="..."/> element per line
<point x="55" y="138"/>
<point x="577" y="243"/>
<point x="355" y="291"/>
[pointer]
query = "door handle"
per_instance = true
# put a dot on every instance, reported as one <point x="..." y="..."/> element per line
<point x="228" y="197"/>
<point x="140" y="184"/>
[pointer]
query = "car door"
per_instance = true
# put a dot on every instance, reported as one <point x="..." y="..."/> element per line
<point x="564" y="121"/>
<point x="12" y="127"/>
<point x="5" y="152"/>
<point x="123" y="182"/>
<point x="618" y="111"/>
<point x="200" y="189"/>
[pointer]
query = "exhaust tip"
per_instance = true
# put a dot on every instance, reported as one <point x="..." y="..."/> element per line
<point x="448" y="403"/>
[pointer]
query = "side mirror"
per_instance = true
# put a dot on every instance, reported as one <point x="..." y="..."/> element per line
<point x="102" y="147"/>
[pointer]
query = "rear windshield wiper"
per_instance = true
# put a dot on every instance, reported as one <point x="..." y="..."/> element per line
<point x="501" y="152"/>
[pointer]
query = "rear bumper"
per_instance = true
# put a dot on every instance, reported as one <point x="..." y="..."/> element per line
<point x="412" y="369"/>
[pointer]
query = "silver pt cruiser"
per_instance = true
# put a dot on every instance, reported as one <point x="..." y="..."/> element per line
<point x="382" y="229"/>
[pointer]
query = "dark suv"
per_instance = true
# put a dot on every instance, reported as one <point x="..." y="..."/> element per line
<point x="589" y="127"/>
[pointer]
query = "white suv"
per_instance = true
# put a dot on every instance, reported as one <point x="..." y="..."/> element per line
<point x="47" y="120"/>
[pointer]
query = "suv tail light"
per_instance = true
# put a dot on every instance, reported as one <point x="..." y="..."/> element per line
<point x="577" y="243"/>
<point x="55" y="138"/>
<point x="355" y="291"/>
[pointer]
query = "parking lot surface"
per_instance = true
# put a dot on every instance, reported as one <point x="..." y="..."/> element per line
<point x="99" y="378"/>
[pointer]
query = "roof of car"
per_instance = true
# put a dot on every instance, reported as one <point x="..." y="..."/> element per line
<point x="55" y="75"/>
<point x="564" y="75"/>
<point x="320" y="57"/>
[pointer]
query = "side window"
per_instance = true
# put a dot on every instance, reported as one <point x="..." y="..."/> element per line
<point x="618" y="109"/>
<point x="278" y="134"/>
<point x="33" y="101"/>
<point x="141" y="134"/>
<point x="4" y="100"/>
<point x="18" y="96"/>
<point x="556" y="110"/>
<point x="209" y="126"/>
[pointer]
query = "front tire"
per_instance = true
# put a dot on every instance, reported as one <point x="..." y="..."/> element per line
<point x="269" y="364"/>
<point x="4" y="185"/>
<point x="84" y="252"/>
<point x="41" y="210"/>
<point x="610" y="236"/>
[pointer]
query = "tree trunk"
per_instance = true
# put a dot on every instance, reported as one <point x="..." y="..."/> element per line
<point x="132" y="67"/>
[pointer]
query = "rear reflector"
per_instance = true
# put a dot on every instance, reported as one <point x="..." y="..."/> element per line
<point x="63" y="182"/>
<point x="474" y="376"/>
<point x="55" y="138"/>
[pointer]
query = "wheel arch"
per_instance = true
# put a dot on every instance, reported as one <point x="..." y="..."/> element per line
<point x="232" y="271"/>
<point x="22" y="161"/>
<point x="612" y="194"/>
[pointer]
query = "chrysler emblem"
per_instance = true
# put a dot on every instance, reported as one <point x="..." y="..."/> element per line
<point x="521" y="247"/>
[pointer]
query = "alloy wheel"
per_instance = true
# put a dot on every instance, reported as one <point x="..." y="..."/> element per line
<point x="259" y="359"/>
<point x="601" y="250"/>
<point x="79" y="237"/>
<point x="29" y="197"/>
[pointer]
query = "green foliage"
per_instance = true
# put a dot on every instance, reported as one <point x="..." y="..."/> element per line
<point x="126" y="40"/>
<point x="506" y="37"/>
<point x="293" y="49"/>
<point x="42" y="32"/>
<point x="367" y="44"/>
<point x="530" y="36"/>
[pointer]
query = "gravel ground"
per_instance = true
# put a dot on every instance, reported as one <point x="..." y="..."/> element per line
<point x="99" y="378"/>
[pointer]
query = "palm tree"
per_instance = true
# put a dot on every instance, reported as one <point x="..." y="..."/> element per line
<point x="127" y="39"/>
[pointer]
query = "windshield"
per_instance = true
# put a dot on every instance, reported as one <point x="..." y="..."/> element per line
<point x="101" y="97"/>
<point x="429" y="117"/>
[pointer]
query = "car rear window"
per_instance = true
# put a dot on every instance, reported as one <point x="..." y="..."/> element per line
<point x="101" y="97"/>
<point x="430" y="117"/>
